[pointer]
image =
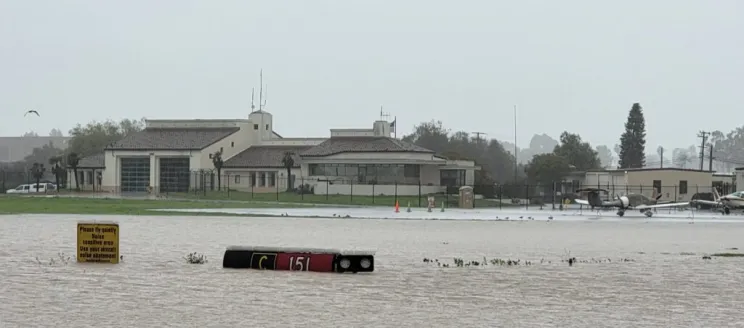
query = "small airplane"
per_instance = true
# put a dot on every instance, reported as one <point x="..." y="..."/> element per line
<point x="727" y="203"/>
<point x="626" y="202"/>
<point x="32" y="112"/>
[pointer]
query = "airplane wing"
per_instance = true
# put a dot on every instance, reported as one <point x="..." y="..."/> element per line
<point x="706" y="202"/>
<point x="581" y="201"/>
<point x="643" y="207"/>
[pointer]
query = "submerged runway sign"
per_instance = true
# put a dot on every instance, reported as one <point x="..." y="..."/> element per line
<point x="98" y="242"/>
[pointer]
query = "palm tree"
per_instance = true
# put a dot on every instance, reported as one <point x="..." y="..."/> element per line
<point x="37" y="170"/>
<point x="72" y="162"/>
<point x="218" y="163"/>
<point x="57" y="169"/>
<point x="288" y="162"/>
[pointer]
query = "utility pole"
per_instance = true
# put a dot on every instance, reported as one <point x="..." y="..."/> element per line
<point x="516" y="161"/>
<point x="477" y="137"/>
<point x="710" y="158"/>
<point x="704" y="136"/>
<point x="661" y="154"/>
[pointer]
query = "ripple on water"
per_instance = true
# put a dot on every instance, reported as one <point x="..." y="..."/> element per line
<point x="154" y="287"/>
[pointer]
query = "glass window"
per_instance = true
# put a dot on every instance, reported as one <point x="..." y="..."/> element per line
<point x="262" y="179"/>
<point x="174" y="174"/>
<point x="682" y="187"/>
<point x="341" y="169"/>
<point x="352" y="170"/>
<point x="237" y="179"/>
<point x="411" y="171"/>
<point x="135" y="174"/>
<point x="271" y="182"/>
<point x="314" y="169"/>
<point x="253" y="179"/>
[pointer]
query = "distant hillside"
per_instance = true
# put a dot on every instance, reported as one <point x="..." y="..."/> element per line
<point x="17" y="148"/>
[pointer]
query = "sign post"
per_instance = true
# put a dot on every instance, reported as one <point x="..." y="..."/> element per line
<point x="98" y="242"/>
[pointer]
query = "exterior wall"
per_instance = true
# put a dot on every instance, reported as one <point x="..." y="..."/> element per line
<point x="239" y="179"/>
<point x="112" y="159"/>
<point x="697" y="181"/>
<point x="377" y="157"/>
<point x="89" y="181"/>
<point x="428" y="175"/>
<point x="322" y="188"/>
<point x="231" y="146"/>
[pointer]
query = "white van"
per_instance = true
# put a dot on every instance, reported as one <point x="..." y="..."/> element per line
<point x="31" y="188"/>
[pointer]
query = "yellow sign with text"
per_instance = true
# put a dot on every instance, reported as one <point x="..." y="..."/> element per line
<point x="98" y="242"/>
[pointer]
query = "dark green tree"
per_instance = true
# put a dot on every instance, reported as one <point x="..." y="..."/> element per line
<point x="545" y="169"/>
<point x="218" y="163"/>
<point x="57" y="170"/>
<point x="578" y="153"/>
<point x="93" y="137"/>
<point x="633" y="140"/>
<point x="37" y="171"/>
<point x="288" y="162"/>
<point x="497" y="164"/>
<point x="73" y="160"/>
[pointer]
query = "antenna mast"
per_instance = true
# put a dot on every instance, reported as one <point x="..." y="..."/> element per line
<point x="253" y="107"/>
<point x="260" y="91"/>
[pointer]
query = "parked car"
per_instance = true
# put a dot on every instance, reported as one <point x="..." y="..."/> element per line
<point x="31" y="188"/>
<point x="703" y="196"/>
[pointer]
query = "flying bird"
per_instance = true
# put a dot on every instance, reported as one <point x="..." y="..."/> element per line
<point x="32" y="112"/>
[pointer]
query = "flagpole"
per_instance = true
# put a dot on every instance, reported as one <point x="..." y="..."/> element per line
<point x="395" y="128"/>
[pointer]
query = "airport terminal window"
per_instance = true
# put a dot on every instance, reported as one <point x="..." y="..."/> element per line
<point x="452" y="178"/>
<point x="682" y="187"/>
<point x="271" y="179"/>
<point x="657" y="186"/>
<point x="369" y="173"/>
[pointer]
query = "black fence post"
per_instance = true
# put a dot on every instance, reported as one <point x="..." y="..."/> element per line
<point x="553" y="196"/>
<point x="328" y="182"/>
<point x="396" y="191"/>
<point x="419" y="195"/>
<point x="302" y="188"/>
<point x="351" y="191"/>
<point x="276" y="183"/>
<point x="373" y="192"/>
<point x="501" y="192"/>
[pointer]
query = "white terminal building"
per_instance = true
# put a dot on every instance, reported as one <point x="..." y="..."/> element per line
<point x="176" y="156"/>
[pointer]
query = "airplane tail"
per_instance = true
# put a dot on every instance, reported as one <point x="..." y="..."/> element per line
<point x="716" y="195"/>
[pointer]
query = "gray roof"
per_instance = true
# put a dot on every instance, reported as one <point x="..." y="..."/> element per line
<point x="92" y="162"/>
<point x="338" y="145"/>
<point x="172" y="138"/>
<point x="264" y="156"/>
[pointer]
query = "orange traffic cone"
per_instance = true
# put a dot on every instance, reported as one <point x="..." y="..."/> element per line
<point x="397" y="208"/>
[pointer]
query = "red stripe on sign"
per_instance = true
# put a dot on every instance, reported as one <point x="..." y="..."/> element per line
<point x="305" y="262"/>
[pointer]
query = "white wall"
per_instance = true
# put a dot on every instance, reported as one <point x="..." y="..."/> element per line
<point x="112" y="161"/>
<point x="239" y="179"/>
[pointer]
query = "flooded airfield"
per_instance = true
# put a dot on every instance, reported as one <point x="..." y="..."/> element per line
<point x="665" y="283"/>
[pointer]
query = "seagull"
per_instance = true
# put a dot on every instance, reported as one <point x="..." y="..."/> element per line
<point x="32" y="112"/>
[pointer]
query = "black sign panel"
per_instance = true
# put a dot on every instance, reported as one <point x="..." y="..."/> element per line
<point x="263" y="261"/>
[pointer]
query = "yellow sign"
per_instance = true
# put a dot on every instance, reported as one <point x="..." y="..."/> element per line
<point x="98" y="242"/>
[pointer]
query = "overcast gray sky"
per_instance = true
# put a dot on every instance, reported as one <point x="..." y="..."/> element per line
<point x="568" y="65"/>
